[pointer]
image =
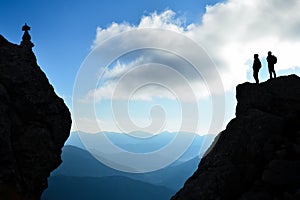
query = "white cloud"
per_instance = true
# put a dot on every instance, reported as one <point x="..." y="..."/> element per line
<point x="230" y="32"/>
<point x="165" y="20"/>
<point x="143" y="79"/>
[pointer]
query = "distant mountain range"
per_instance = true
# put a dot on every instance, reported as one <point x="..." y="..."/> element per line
<point x="79" y="167"/>
<point x="145" y="145"/>
<point x="106" y="188"/>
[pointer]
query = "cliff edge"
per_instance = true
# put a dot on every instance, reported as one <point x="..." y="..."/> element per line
<point x="257" y="156"/>
<point x="34" y="124"/>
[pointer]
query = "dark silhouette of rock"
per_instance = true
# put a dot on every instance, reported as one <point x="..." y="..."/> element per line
<point x="256" y="67"/>
<point x="26" y="39"/>
<point x="257" y="156"/>
<point x="272" y="60"/>
<point x="34" y="123"/>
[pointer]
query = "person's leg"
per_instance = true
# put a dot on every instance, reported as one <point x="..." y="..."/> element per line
<point x="274" y="73"/>
<point x="270" y="72"/>
<point x="255" y="74"/>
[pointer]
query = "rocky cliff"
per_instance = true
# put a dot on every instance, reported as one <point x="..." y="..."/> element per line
<point x="34" y="123"/>
<point x="257" y="156"/>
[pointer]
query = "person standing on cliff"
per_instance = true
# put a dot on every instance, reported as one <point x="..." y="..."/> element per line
<point x="256" y="67"/>
<point x="272" y="60"/>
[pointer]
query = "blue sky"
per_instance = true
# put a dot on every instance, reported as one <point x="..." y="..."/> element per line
<point x="230" y="33"/>
<point x="63" y="31"/>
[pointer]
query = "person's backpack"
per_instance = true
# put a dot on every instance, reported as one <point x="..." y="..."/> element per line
<point x="274" y="59"/>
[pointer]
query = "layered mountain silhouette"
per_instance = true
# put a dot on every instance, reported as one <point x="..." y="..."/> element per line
<point x="95" y="188"/>
<point x="79" y="164"/>
<point x="34" y="123"/>
<point x="257" y="156"/>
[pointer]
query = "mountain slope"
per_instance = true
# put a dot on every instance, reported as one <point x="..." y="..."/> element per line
<point x="80" y="163"/>
<point x="257" y="156"/>
<point x="112" y="188"/>
<point x="34" y="123"/>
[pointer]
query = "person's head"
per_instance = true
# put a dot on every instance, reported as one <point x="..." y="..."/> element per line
<point x="256" y="56"/>
<point x="269" y="53"/>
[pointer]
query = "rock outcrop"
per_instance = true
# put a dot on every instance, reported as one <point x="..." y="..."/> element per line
<point x="34" y="124"/>
<point x="257" y="156"/>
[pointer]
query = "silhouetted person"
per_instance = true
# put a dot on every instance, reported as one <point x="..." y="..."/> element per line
<point x="272" y="60"/>
<point x="256" y="67"/>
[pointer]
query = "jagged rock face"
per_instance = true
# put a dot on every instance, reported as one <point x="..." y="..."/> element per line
<point x="34" y="124"/>
<point x="257" y="156"/>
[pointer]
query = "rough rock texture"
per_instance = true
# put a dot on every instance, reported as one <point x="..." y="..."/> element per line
<point x="34" y="124"/>
<point x="257" y="156"/>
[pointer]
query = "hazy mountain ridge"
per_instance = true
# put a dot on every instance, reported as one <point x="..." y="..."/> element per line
<point x="198" y="145"/>
<point x="111" y="187"/>
<point x="79" y="163"/>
